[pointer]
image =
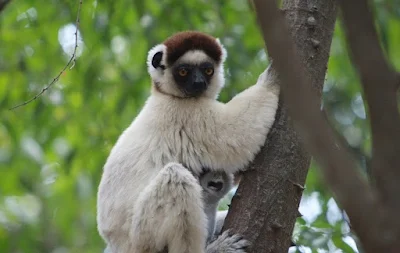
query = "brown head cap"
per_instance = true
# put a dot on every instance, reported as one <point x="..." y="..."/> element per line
<point x="179" y="43"/>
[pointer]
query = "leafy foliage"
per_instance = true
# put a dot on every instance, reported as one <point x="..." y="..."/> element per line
<point x="53" y="149"/>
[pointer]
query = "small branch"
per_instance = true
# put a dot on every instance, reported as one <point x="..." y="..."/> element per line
<point x="380" y="82"/>
<point x="299" y="186"/>
<point x="338" y="167"/>
<point x="70" y="63"/>
<point x="3" y="4"/>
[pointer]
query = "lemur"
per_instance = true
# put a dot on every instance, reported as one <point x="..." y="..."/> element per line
<point x="215" y="185"/>
<point x="151" y="171"/>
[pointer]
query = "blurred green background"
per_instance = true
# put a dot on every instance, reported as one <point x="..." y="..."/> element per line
<point x="52" y="150"/>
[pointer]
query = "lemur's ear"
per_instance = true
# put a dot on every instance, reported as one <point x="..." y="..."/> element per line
<point x="156" y="60"/>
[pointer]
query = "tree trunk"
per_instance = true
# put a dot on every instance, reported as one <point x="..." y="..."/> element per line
<point x="265" y="206"/>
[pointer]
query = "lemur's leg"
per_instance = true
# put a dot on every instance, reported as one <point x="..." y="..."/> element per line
<point x="169" y="213"/>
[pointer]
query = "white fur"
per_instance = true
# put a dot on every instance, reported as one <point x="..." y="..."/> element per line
<point x="156" y="74"/>
<point x="211" y="199"/>
<point x="194" y="57"/>
<point x="212" y="196"/>
<point x="197" y="132"/>
<point x="219" y="221"/>
<point x="224" y="53"/>
<point x="164" y="207"/>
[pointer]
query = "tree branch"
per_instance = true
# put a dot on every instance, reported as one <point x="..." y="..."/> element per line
<point x="265" y="206"/>
<point x="338" y="167"/>
<point x="70" y="63"/>
<point x="380" y="83"/>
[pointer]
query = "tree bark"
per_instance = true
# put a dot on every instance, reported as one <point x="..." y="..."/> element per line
<point x="265" y="206"/>
<point x="372" y="210"/>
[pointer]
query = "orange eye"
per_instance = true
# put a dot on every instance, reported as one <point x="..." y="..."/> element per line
<point x="183" y="72"/>
<point x="209" y="71"/>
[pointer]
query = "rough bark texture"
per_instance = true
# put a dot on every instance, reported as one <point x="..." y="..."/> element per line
<point x="265" y="206"/>
<point x="373" y="211"/>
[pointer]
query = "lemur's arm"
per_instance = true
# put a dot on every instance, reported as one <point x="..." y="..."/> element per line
<point x="242" y="124"/>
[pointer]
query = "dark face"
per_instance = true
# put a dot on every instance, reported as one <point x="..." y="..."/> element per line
<point x="192" y="79"/>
